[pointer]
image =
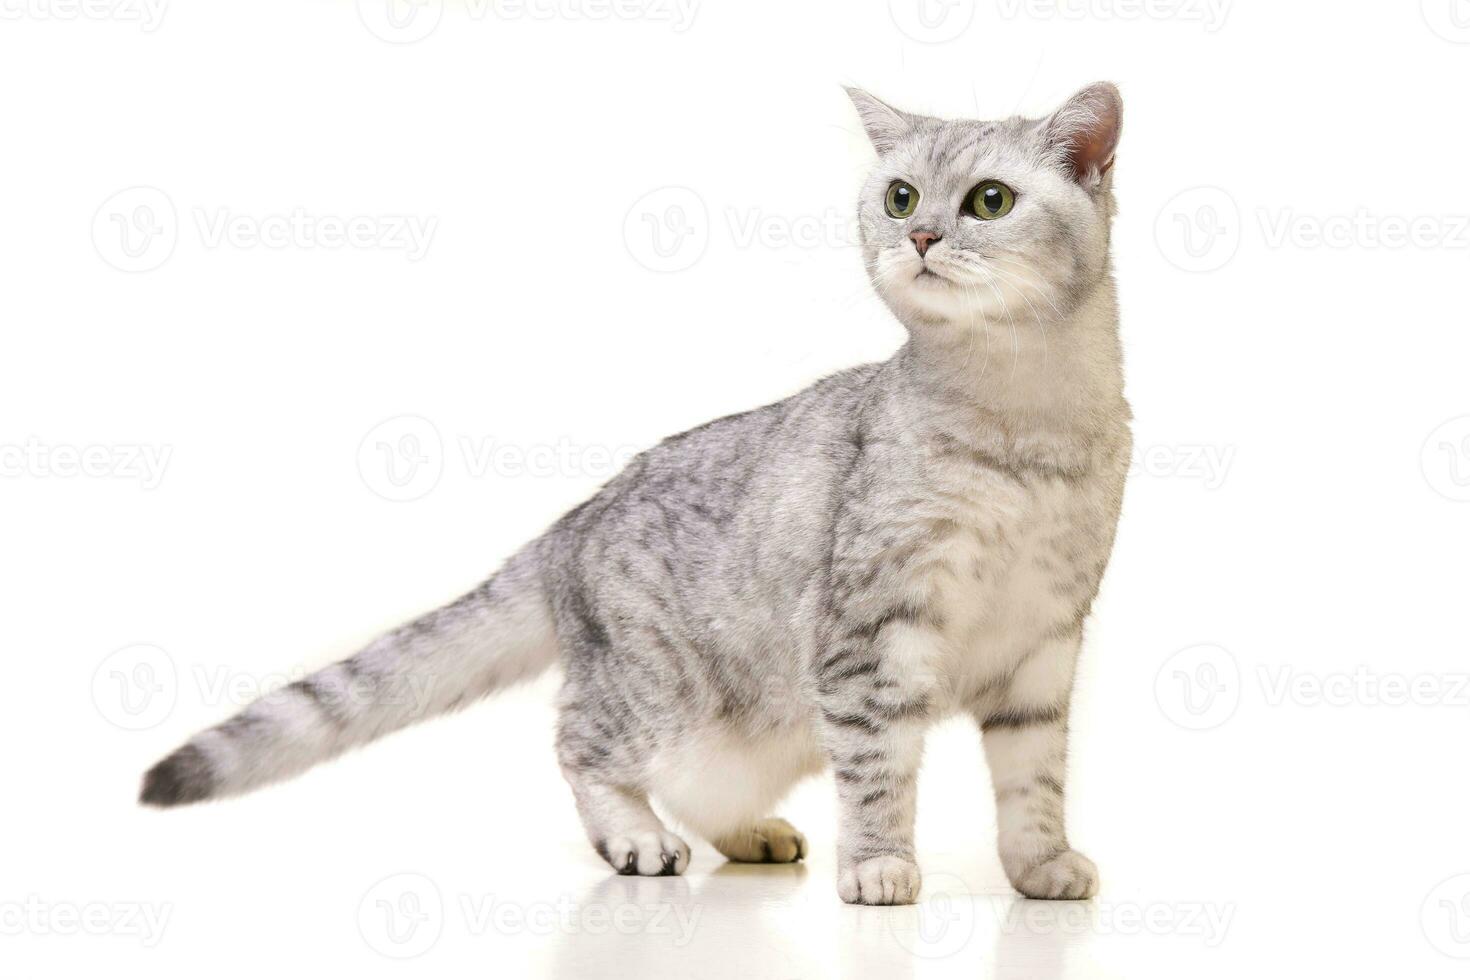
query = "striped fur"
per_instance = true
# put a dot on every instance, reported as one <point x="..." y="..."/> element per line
<point x="433" y="665"/>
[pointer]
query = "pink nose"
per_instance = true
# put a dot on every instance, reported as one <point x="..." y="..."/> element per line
<point x="923" y="239"/>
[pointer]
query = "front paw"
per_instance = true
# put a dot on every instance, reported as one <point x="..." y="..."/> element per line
<point x="1066" y="875"/>
<point x="884" y="880"/>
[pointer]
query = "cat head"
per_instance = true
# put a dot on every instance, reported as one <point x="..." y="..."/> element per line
<point x="963" y="220"/>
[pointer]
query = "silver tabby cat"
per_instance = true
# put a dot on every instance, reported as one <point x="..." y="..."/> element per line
<point x="812" y="584"/>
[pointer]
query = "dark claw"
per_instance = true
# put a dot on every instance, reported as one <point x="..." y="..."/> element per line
<point x="630" y="866"/>
<point x="669" y="861"/>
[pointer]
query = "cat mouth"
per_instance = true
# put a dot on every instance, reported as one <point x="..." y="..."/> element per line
<point x="927" y="274"/>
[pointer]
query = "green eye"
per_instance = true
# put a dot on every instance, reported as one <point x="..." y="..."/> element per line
<point x="901" y="199"/>
<point x="990" y="200"/>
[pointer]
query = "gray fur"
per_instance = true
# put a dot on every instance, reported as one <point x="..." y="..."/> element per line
<point x="812" y="584"/>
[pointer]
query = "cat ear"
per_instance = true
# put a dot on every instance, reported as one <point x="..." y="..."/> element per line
<point x="884" y="124"/>
<point x="1085" y="131"/>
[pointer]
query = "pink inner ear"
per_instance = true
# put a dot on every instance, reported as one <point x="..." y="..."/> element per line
<point x="1093" y="148"/>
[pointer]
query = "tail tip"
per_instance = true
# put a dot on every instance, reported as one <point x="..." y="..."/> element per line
<point x="183" y="777"/>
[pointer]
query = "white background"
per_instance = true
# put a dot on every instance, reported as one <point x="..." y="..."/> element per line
<point x="1259" y="791"/>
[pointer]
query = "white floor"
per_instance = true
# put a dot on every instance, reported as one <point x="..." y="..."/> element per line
<point x="455" y="846"/>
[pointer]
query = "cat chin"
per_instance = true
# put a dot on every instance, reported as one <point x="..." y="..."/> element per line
<point x="935" y="298"/>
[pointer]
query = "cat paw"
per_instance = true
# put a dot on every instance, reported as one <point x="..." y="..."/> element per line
<point x="884" y="880"/>
<point x="770" y="841"/>
<point x="1067" y="875"/>
<point x="647" y="852"/>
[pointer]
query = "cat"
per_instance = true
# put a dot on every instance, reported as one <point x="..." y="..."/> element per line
<point x="811" y="584"/>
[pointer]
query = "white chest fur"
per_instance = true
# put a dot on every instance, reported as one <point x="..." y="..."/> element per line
<point x="1013" y="568"/>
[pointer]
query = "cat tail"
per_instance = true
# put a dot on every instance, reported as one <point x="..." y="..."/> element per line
<point x="486" y="640"/>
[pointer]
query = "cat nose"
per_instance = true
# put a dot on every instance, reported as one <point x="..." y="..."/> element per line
<point x="922" y="240"/>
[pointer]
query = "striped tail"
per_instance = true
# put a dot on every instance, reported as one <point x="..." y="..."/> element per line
<point x="486" y="640"/>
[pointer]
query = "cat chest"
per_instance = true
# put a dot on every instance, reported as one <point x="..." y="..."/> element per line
<point x="1020" y="561"/>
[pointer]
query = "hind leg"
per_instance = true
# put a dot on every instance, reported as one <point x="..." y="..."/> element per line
<point x="625" y="831"/>
<point x="768" y="841"/>
<point x="599" y="756"/>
